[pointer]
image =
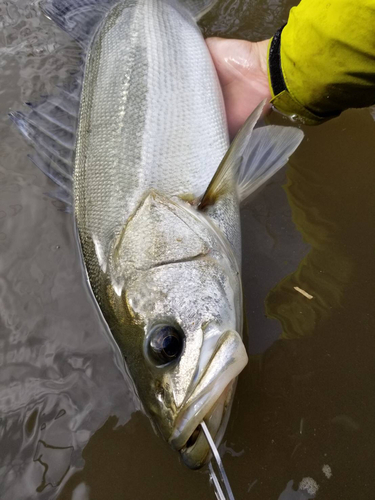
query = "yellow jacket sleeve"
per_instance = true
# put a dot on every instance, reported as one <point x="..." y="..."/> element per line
<point x="323" y="61"/>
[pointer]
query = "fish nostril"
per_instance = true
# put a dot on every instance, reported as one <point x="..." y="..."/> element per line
<point x="193" y="438"/>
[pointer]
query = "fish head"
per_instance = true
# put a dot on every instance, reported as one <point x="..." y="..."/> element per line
<point x="177" y="315"/>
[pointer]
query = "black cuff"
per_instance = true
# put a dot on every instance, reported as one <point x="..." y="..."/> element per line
<point x="274" y="64"/>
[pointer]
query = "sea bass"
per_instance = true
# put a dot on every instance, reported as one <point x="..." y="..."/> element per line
<point x="156" y="192"/>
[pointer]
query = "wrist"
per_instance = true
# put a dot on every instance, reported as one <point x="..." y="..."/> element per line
<point x="262" y="48"/>
<point x="284" y="99"/>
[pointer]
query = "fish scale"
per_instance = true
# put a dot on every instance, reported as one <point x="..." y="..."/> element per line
<point x="144" y="127"/>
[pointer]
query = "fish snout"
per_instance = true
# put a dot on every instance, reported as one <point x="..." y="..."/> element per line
<point x="209" y="401"/>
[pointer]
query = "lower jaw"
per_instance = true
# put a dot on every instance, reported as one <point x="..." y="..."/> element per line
<point x="196" y="453"/>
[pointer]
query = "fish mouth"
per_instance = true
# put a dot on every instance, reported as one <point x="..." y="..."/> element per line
<point x="210" y="402"/>
<point x="196" y="451"/>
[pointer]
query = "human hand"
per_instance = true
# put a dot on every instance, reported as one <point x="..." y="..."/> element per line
<point x="242" y="70"/>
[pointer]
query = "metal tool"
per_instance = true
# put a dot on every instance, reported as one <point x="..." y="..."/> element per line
<point x="220" y="494"/>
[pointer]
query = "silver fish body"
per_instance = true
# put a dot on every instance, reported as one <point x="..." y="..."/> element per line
<point x="156" y="199"/>
<point x="152" y="132"/>
<point x="152" y="115"/>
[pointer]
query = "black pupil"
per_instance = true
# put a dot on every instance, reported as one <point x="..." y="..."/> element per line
<point x="165" y="343"/>
<point x="171" y="346"/>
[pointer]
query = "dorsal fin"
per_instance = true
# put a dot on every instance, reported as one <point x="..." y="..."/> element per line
<point x="79" y="18"/>
<point x="253" y="157"/>
<point x="50" y="125"/>
<point x="50" y="129"/>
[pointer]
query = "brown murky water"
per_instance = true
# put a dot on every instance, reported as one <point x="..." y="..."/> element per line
<point x="71" y="427"/>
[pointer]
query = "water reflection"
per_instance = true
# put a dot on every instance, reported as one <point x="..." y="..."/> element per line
<point x="332" y="203"/>
<point x="250" y="19"/>
<point x="61" y="375"/>
<point x="130" y="461"/>
<point x="306" y="491"/>
<point x="309" y="404"/>
<point x="55" y="461"/>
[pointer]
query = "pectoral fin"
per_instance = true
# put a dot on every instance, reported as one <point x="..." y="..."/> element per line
<point x="253" y="157"/>
<point x="269" y="150"/>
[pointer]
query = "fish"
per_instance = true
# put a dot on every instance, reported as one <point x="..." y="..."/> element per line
<point x="139" y="149"/>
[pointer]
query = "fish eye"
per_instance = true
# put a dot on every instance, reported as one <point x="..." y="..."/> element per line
<point x="165" y="343"/>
